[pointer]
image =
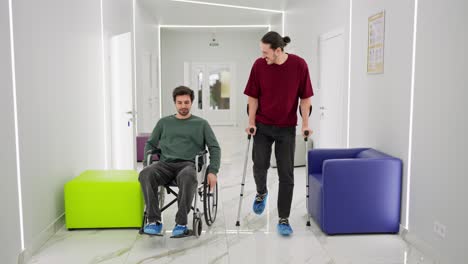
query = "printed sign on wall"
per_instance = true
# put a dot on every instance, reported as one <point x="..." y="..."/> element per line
<point x="375" y="49"/>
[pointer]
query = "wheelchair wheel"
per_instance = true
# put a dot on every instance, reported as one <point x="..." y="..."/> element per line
<point x="161" y="196"/>
<point x="210" y="202"/>
<point x="197" y="227"/>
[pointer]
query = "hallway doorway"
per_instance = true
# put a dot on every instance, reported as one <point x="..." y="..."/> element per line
<point x="332" y="88"/>
<point x="214" y="97"/>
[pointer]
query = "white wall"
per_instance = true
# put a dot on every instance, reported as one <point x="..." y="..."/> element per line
<point x="238" y="46"/>
<point x="118" y="17"/>
<point x="147" y="89"/>
<point x="276" y="22"/>
<point x="10" y="238"/>
<point x="439" y="160"/>
<point x="305" y="21"/>
<point x="60" y="104"/>
<point x="380" y="103"/>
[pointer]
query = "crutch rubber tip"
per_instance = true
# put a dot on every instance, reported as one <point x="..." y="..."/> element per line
<point x="308" y="223"/>
<point x="237" y="223"/>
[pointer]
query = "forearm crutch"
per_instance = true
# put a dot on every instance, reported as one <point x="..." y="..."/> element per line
<point x="249" y="137"/>
<point x="306" y="134"/>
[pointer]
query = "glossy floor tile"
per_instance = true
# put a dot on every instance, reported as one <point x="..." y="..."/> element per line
<point x="255" y="241"/>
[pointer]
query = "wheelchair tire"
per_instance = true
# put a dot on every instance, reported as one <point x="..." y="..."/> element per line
<point x="161" y="196"/>
<point x="197" y="227"/>
<point x="210" y="202"/>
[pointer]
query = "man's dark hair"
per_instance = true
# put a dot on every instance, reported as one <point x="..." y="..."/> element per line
<point x="275" y="40"/>
<point x="182" y="90"/>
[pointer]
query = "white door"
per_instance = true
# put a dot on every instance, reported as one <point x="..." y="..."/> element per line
<point x="148" y="115"/>
<point x="122" y="108"/>
<point x="331" y="88"/>
<point x="213" y="87"/>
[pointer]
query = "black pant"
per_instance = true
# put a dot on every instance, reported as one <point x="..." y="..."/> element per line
<point x="285" y="144"/>
<point x="162" y="173"/>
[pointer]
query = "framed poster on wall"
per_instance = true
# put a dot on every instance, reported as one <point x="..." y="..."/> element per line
<point x="375" y="48"/>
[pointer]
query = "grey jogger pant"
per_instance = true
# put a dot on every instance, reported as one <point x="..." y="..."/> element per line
<point x="162" y="173"/>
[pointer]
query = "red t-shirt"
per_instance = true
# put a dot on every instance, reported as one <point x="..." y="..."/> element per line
<point x="278" y="89"/>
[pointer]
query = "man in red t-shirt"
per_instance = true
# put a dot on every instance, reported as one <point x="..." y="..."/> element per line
<point x="277" y="81"/>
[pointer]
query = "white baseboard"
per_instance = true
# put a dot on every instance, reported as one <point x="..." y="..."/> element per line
<point x="419" y="244"/>
<point x="38" y="241"/>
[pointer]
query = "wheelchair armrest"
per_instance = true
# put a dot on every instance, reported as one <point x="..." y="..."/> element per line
<point x="153" y="151"/>
<point x="200" y="159"/>
<point x="149" y="155"/>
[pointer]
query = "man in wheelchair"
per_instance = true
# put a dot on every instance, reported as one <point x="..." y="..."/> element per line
<point x="179" y="138"/>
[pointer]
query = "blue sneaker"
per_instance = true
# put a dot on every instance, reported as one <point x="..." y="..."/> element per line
<point x="154" y="228"/>
<point x="259" y="203"/>
<point x="284" y="228"/>
<point x="179" y="230"/>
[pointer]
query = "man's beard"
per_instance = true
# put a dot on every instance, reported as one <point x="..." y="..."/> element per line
<point x="183" y="111"/>
<point x="273" y="60"/>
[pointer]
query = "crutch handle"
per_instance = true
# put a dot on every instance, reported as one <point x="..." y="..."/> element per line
<point x="251" y="130"/>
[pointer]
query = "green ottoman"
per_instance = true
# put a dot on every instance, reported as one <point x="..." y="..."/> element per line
<point x="104" y="199"/>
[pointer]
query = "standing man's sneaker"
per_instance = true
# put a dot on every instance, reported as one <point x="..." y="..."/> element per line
<point x="284" y="228"/>
<point x="154" y="228"/>
<point x="259" y="203"/>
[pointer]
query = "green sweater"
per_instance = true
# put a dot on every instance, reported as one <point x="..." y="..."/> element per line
<point x="183" y="139"/>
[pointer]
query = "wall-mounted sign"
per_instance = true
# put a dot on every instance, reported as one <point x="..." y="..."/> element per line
<point x="375" y="48"/>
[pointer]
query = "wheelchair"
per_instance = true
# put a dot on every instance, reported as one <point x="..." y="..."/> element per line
<point x="208" y="197"/>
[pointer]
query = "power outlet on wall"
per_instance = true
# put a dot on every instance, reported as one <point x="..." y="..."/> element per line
<point x="439" y="229"/>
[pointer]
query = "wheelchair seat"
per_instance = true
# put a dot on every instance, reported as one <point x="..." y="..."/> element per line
<point x="173" y="183"/>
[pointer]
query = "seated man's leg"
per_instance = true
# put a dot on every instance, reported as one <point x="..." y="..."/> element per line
<point x="151" y="177"/>
<point x="187" y="183"/>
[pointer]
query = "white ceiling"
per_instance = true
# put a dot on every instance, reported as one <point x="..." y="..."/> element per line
<point x="266" y="4"/>
<point x="181" y="13"/>
<point x="214" y="30"/>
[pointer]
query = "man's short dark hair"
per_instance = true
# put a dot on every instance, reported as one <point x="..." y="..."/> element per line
<point x="275" y="40"/>
<point x="182" y="90"/>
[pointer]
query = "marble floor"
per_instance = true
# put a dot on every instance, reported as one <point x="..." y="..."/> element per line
<point x="255" y="241"/>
